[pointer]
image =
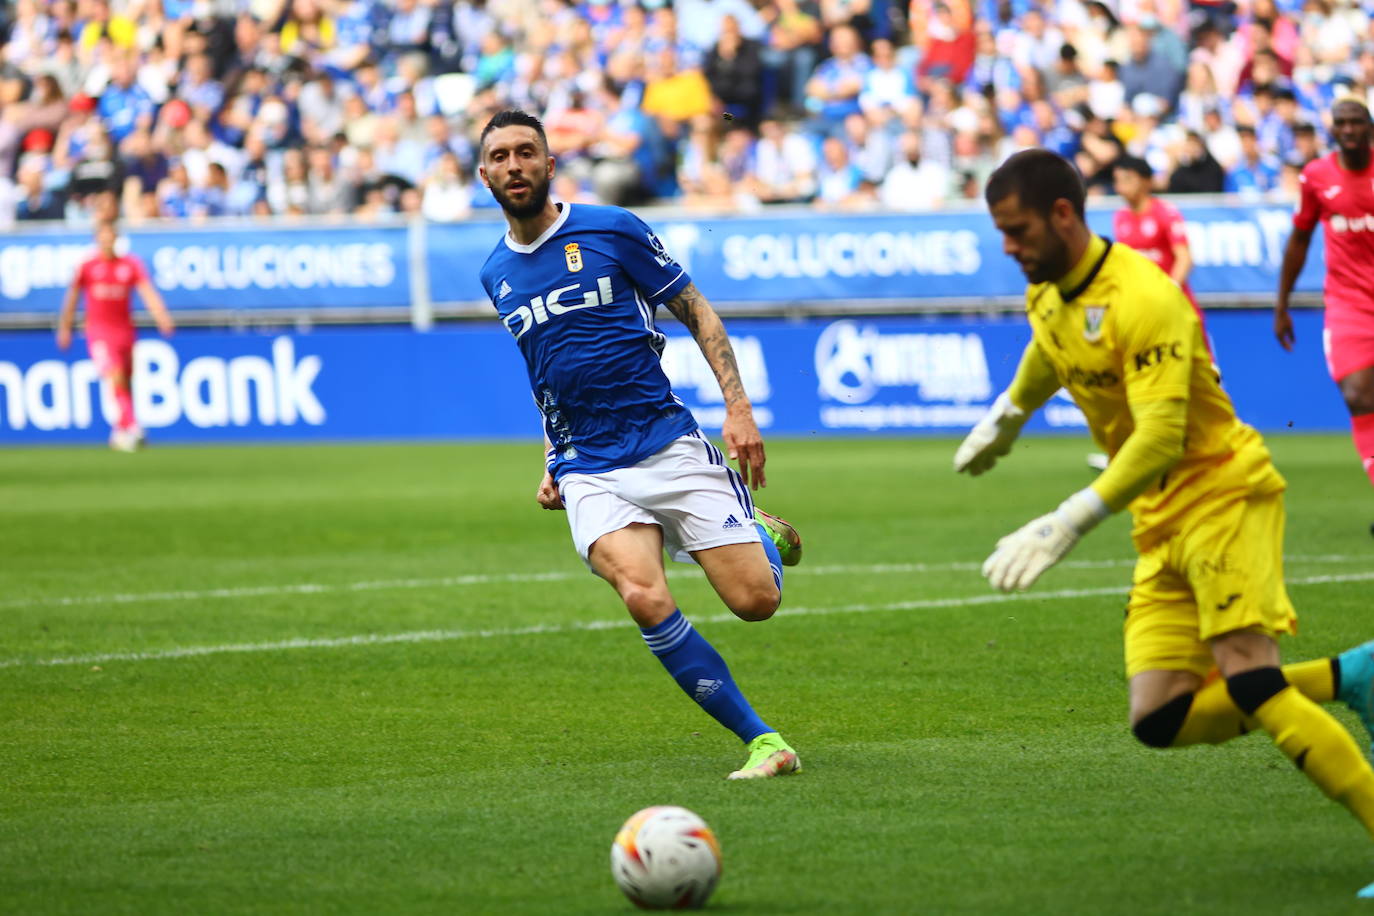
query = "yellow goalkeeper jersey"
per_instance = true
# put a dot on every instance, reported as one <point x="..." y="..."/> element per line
<point x="1122" y="334"/>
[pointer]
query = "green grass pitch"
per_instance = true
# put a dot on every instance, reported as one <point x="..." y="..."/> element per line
<point x="377" y="679"/>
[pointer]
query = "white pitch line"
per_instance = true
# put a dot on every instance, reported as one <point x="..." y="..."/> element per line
<point x="429" y="636"/>
<point x="300" y="588"/>
<point x="321" y="588"/>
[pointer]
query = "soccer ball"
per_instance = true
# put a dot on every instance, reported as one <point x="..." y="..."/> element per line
<point x="666" y="858"/>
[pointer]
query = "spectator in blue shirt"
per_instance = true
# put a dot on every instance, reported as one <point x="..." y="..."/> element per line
<point x="1054" y="134"/>
<point x="407" y="30"/>
<point x="990" y="66"/>
<point x="1306" y="146"/>
<point x="174" y="194"/>
<point x="1312" y="94"/>
<point x="1290" y="114"/>
<point x="700" y="20"/>
<point x="664" y="33"/>
<point x="625" y="168"/>
<point x="124" y="106"/>
<point x="840" y="180"/>
<point x="212" y="197"/>
<point x="1268" y="125"/>
<point x="175" y="10"/>
<point x="198" y="87"/>
<point x="1002" y="13"/>
<point x="889" y="92"/>
<point x="1012" y="111"/>
<point x="604" y="17"/>
<point x="443" y="141"/>
<point x="38" y="201"/>
<point x="373" y="89"/>
<point x="1256" y="174"/>
<point x="497" y="61"/>
<point x="833" y="91"/>
<point x="1165" y="42"/>
<point x="355" y="22"/>
<point x="1146" y="70"/>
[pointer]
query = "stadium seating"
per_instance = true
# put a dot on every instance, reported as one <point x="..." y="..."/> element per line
<point x="197" y="109"/>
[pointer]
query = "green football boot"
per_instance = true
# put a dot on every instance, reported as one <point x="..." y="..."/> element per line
<point x="769" y="756"/>
<point x="783" y="535"/>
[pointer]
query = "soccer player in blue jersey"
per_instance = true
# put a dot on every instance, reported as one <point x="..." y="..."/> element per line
<point x="577" y="287"/>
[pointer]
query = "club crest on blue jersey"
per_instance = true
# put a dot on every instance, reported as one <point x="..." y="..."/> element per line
<point x="573" y="255"/>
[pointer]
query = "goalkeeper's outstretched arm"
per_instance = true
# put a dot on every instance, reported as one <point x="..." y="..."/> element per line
<point x="1034" y="384"/>
<point x="1154" y="446"/>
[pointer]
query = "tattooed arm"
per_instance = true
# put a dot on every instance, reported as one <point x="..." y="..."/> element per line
<point x="740" y="432"/>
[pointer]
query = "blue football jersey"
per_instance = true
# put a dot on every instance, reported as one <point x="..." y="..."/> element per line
<point x="580" y="303"/>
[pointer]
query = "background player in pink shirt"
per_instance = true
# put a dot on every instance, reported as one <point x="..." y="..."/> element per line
<point x="1338" y="190"/>
<point x="1152" y="226"/>
<point x="108" y="281"/>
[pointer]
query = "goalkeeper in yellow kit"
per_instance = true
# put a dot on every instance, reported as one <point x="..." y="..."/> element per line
<point x="1208" y="594"/>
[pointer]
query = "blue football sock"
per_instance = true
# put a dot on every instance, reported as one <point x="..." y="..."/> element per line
<point x="702" y="674"/>
<point x="774" y="558"/>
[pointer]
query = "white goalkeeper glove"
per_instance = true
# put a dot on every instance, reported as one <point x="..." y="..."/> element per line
<point x="1023" y="556"/>
<point x="991" y="438"/>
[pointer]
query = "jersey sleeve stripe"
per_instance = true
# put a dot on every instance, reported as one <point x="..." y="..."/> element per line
<point x="657" y="339"/>
<point x="669" y="283"/>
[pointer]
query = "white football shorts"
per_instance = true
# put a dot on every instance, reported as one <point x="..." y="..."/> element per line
<point x="685" y="488"/>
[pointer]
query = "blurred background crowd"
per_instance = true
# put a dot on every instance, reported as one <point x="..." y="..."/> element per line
<point x="194" y="109"/>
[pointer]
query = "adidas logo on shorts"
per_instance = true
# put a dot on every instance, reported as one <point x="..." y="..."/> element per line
<point x="731" y="522"/>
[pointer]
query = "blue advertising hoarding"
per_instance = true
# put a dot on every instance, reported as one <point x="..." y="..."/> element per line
<point x="224" y="268"/>
<point x="769" y="260"/>
<point x="955" y="256"/>
<point x="844" y="376"/>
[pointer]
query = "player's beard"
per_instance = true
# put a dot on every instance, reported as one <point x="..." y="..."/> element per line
<point x="1053" y="262"/>
<point x="1356" y="152"/>
<point x="538" y="197"/>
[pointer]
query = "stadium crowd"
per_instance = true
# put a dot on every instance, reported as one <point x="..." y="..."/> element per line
<point x="203" y="108"/>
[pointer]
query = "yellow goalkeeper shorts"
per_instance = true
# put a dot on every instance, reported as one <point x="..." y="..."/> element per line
<point x="1220" y="575"/>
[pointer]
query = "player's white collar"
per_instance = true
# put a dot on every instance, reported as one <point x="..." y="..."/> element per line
<point x="532" y="247"/>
